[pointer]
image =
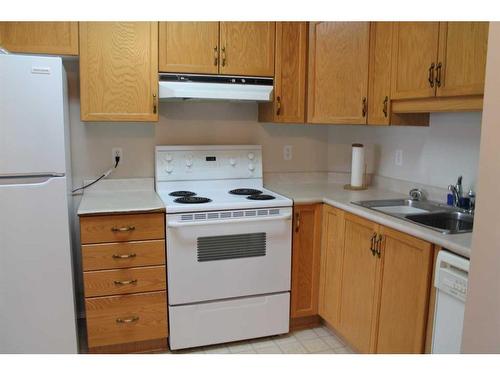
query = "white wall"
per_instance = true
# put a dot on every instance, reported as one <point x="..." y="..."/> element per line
<point x="433" y="155"/>
<point x="482" y="310"/>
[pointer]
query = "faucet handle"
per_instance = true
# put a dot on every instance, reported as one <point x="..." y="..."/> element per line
<point x="416" y="194"/>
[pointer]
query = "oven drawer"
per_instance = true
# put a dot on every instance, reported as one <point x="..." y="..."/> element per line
<point x="124" y="281"/>
<point x="123" y="319"/>
<point x="118" y="228"/>
<point x="123" y="255"/>
<point x="230" y="320"/>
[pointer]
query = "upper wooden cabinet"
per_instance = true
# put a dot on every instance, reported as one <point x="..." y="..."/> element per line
<point x="338" y="72"/>
<point x="462" y="58"/>
<point x="189" y="47"/>
<point x="439" y="59"/>
<point x="305" y="260"/>
<point x="247" y="48"/>
<point x="232" y="48"/>
<point x="289" y="75"/>
<point x="55" y="38"/>
<point x="119" y="71"/>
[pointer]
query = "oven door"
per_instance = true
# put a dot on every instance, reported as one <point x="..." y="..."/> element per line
<point x="226" y="257"/>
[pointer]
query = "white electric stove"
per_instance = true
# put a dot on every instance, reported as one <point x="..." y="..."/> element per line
<point x="228" y="245"/>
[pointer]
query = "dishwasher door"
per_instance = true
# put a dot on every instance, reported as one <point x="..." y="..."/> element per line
<point x="451" y="282"/>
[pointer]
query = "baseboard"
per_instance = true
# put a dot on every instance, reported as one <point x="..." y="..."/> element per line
<point x="148" y="346"/>
<point x="297" y="324"/>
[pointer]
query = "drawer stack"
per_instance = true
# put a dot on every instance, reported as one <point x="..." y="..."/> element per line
<point x="124" y="278"/>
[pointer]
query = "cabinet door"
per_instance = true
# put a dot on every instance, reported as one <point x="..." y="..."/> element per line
<point x="331" y="264"/>
<point x="379" y="86"/>
<point x="462" y="58"/>
<point x="338" y="72"/>
<point x="189" y="47"/>
<point x="247" y="48"/>
<point x="290" y="75"/>
<point x="405" y="290"/>
<point x="415" y="50"/>
<point x="360" y="284"/>
<point x="119" y="71"/>
<point x="305" y="260"/>
<point x="55" y="38"/>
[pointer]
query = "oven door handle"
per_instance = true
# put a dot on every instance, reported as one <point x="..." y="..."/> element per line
<point x="214" y="222"/>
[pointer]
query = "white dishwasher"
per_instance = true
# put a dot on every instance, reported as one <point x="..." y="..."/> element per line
<point x="451" y="281"/>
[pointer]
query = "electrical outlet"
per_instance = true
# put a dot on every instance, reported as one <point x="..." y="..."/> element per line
<point x="398" y="160"/>
<point x="287" y="152"/>
<point x="117" y="151"/>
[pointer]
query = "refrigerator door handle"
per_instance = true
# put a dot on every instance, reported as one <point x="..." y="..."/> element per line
<point x="36" y="178"/>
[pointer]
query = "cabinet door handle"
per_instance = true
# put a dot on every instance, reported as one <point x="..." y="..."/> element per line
<point x="363" y="107"/>
<point x="378" y="246"/>
<point x="431" y="75"/>
<point x="223" y="56"/>
<point x="125" y="282"/>
<point x="132" y="319"/>
<point x="216" y="56"/>
<point x="154" y="103"/>
<point x="438" y="74"/>
<point x="128" y="228"/>
<point x="372" y="243"/>
<point x="124" y="256"/>
<point x="297" y="222"/>
<point x="278" y="106"/>
<point x="384" y="108"/>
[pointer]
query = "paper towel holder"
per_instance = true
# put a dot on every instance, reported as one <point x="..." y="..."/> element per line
<point x="362" y="187"/>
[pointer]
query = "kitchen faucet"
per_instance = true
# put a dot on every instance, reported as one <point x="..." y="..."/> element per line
<point x="457" y="192"/>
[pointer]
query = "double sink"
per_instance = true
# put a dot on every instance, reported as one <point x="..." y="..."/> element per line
<point x="433" y="215"/>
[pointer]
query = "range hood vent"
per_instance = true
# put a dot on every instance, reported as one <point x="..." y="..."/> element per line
<point x="207" y="87"/>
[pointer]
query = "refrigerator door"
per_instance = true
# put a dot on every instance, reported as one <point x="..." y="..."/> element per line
<point x="32" y="133"/>
<point x="37" y="308"/>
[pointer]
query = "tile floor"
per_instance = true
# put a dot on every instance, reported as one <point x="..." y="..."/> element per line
<point x="309" y="341"/>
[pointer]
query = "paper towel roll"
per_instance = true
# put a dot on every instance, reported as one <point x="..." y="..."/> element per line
<point x="357" y="165"/>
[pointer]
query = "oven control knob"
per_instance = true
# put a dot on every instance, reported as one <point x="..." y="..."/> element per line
<point x="189" y="163"/>
<point x="251" y="167"/>
<point x="168" y="157"/>
<point x="251" y="155"/>
<point x="232" y="162"/>
<point x="169" y="169"/>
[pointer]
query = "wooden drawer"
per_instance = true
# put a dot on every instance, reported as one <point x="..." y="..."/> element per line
<point x="122" y="319"/>
<point x="123" y="255"/>
<point x="118" y="228"/>
<point x="124" y="281"/>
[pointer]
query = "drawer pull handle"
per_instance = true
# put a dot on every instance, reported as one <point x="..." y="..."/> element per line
<point x="132" y="319"/>
<point x="124" y="256"/>
<point x="125" y="282"/>
<point x="123" y="229"/>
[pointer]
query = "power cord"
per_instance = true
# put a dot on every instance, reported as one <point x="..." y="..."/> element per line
<point x="104" y="175"/>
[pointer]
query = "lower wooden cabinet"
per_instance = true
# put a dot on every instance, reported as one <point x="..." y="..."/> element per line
<point x="375" y="284"/>
<point x="306" y="249"/>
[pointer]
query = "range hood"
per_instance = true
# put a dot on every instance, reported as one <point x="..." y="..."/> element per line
<point x="209" y="87"/>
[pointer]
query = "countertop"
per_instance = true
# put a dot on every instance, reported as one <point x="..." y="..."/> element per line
<point x="120" y="196"/>
<point x="335" y="195"/>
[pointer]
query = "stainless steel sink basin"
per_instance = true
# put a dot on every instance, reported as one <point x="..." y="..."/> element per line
<point x="433" y="215"/>
<point x="447" y="222"/>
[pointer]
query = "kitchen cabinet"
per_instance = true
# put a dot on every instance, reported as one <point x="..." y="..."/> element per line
<point x="375" y="284"/>
<point x="229" y="48"/>
<point x="54" y="38"/>
<point x="124" y="277"/>
<point x="247" y="48"/>
<point x="306" y="249"/>
<point x="289" y="75"/>
<point x="189" y="47"/>
<point x="331" y="264"/>
<point x="438" y="66"/>
<point x="119" y="71"/>
<point x="379" y="83"/>
<point x="338" y="72"/>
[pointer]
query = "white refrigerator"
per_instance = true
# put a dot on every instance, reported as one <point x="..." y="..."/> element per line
<point x="37" y="302"/>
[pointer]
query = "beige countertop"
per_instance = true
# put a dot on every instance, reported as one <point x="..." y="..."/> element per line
<point x="120" y="196"/>
<point x="337" y="196"/>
